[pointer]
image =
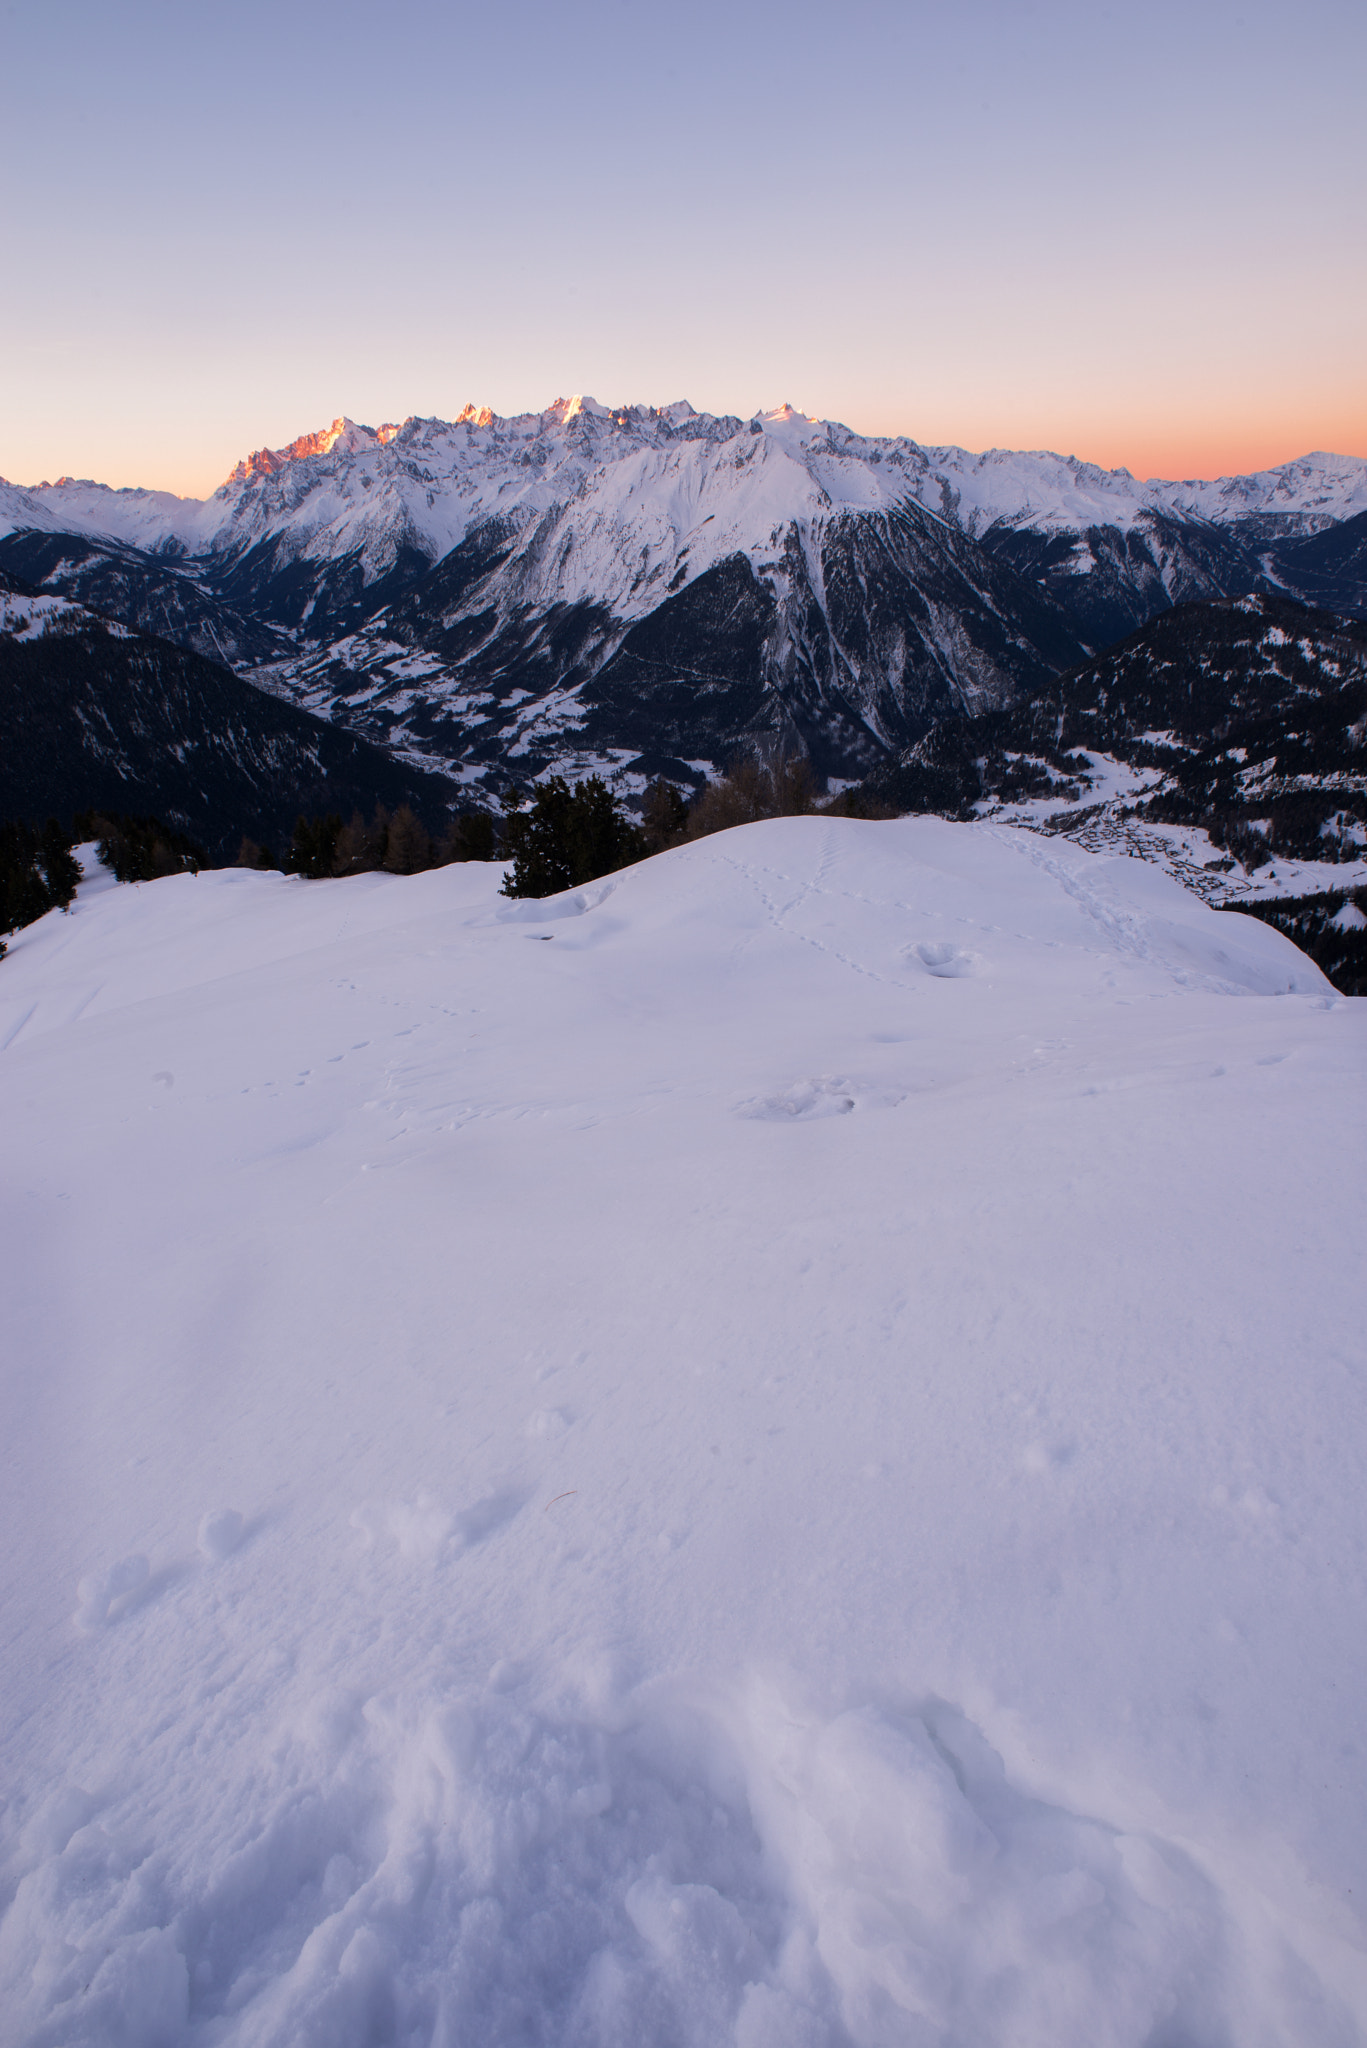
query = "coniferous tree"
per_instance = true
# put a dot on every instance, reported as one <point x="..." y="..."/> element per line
<point x="664" y="817"/>
<point x="38" y="872"/>
<point x="314" y="845"/>
<point x="408" y="848"/>
<point x="469" y="835"/>
<point x="60" y="865"/>
<point x="139" y="849"/>
<point x="567" y="836"/>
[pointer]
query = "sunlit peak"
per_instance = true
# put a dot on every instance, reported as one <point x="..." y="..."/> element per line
<point x="580" y="406"/>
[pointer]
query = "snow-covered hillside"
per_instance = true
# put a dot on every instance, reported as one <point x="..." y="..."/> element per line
<point x="39" y="617"/>
<point x="767" y="1452"/>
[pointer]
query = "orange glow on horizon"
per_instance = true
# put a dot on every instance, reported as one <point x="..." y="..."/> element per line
<point x="1173" y="449"/>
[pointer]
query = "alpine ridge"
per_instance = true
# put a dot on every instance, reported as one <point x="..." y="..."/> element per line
<point x="643" y="589"/>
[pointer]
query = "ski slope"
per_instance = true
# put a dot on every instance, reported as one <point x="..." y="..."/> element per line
<point x="767" y="1452"/>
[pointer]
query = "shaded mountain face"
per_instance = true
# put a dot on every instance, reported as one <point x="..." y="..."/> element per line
<point x="1328" y="568"/>
<point x="640" y="587"/>
<point x="1246" y="718"/>
<point x="1108" y="579"/>
<point x="98" y="717"/>
<point x="846" y="642"/>
<point x="151" y="593"/>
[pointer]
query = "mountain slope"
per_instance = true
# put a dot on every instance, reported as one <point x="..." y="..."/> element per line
<point x="847" y="634"/>
<point x="152" y="593"/>
<point x="1326" y="568"/>
<point x="357" y="490"/>
<point x="479" y="589"/>
<point x="1226" y="741"/>
<point x="97" y="717"/>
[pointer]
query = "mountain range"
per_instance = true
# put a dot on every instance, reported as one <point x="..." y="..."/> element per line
<point x="643" y="590"/>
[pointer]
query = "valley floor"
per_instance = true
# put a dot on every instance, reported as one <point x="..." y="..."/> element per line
<point x="768" y="1452"/>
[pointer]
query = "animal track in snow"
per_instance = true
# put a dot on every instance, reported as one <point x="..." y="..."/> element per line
<point x="423" y="1528"/>
<point x="1041" y="1458"/>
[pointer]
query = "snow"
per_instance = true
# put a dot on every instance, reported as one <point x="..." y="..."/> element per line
<point x="39" y="617"/>
<point x="1104" y="822"/>
<point x="640" y="487"/>
<point x="765" y="1452"/>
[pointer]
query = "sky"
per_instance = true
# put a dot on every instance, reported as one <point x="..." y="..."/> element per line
<point x="1137" y="235"/>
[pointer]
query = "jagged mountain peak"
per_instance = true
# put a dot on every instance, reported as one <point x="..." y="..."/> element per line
<point x="344" y="434"/>
<point x="566" y="409"/>
<point x="620" y="507"/>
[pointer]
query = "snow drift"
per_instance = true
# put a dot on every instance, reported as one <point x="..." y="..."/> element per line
<point x="765" y="1452"/>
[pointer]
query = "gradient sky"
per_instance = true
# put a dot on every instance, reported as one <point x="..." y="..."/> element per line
<point x="1133" y="232"/>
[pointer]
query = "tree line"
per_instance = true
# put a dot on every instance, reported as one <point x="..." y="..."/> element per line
<point x="389" y="842"/>
<point x="557" y="835"/>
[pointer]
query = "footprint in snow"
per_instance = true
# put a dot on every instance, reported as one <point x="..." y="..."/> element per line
<point x="424" y="1529"/>
<point x="103" y="1596"/>
<point x="945" y="961"/>
<point x="821" y="1096"/>
<point x="219" y="1534"/>
<point x="1040" y="1459"/>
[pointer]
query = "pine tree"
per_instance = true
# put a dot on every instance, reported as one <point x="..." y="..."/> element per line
<point x="566" y="837"/>
<point x="469" y="835"/>
<point x="38" y="873"/>
<point x="664" y="817"/>
<point x="409" y="848"/>
<point x="314" y="845"/>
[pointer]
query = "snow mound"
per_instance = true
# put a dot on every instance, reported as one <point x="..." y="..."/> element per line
<point x="684" y="1869"/>
<point x="708" y="1563"/>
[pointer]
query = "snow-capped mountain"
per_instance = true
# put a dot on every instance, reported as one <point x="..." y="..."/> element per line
<point x="649" y="585"/>
<point x="429" y="482"/>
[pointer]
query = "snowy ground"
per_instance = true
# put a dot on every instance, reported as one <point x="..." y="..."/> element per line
<point x="1183" y="851"/>
<point x="768" y="1452"/>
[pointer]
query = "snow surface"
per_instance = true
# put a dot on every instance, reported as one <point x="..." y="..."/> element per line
<point x="634" y="494"/>
<point x="769" y="1451"/>
<point x="39" y="617"/>
<point x="1105" y="823"/>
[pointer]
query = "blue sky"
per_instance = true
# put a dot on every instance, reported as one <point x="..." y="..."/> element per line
<point x="1136" y="234"/>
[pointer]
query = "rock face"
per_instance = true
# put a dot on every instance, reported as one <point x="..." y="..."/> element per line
<point x="646" y="588"/>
